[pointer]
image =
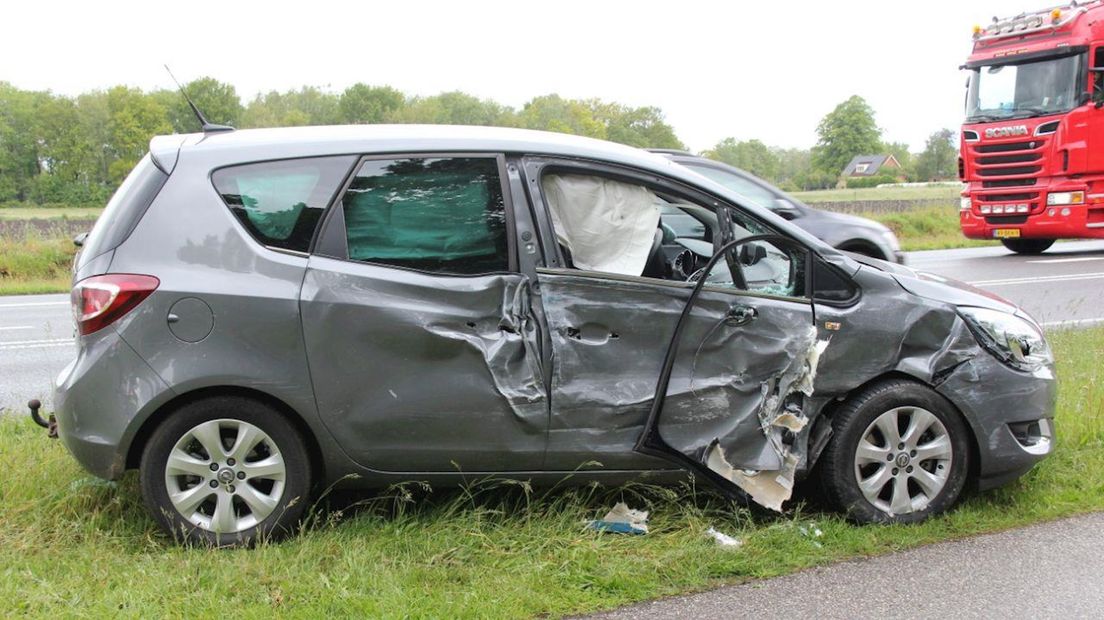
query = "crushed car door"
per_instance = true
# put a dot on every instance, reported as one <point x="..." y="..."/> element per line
<point x="422" y="348"/>
<point x="611" y="328"/>
<point x="750" y="437"/>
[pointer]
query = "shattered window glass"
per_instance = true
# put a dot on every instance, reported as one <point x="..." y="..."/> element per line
<point x="768" y="267"/>
<point x="280" y="202"/>
<point x="443" y="215"/>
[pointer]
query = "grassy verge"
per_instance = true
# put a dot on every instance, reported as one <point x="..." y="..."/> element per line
<point x="50" y="213"/>
<point x="35" y="259"/>
<point x="72" y="544"/>
<point x="940" y="192"/>
<point x="928" y="228"/>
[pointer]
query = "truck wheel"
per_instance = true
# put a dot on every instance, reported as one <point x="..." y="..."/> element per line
<point x="1028" y="246"/>
<point x="899" y="454"/>
<point x="225" y="471"/>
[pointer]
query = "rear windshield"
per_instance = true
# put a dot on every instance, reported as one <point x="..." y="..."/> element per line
<point x="281" y="202"/>
<point x="124" y="210"/>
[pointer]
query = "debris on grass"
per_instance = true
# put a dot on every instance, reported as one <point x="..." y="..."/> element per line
<point x="622" y="520"/>
<point x="724" y="540"/>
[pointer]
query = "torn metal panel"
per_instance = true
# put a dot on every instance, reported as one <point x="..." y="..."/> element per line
<point x="609" y="337"/>
<point x="445" y="373"/>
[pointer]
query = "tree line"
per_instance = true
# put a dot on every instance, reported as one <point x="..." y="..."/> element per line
<point x="76" y="150"/>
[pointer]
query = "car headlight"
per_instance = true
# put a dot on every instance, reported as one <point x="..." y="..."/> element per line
<point x="1011" y="339"/>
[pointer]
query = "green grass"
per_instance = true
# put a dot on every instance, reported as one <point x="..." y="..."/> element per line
<point x="50" y="213"/>
<point x="928" y="228"/>
<point x="71" y="544"/>
<point x="948" y="193"/>
<point x="35" y="261"/>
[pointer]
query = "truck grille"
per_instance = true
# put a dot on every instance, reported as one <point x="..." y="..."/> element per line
<point x="1008" y="164"/>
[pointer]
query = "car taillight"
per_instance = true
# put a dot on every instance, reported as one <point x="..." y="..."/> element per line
<point x="99" y="301"/>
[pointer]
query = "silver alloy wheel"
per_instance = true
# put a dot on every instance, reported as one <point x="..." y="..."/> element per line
<point x="225" y="476"/>
<point x="902" y="471"/>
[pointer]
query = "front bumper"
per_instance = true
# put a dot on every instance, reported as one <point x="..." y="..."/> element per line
<point x="99" y="399"/>
<point x="1010" y="412"/>
<point x="1057" y="222"/>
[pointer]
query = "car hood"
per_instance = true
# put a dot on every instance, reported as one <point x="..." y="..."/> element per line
<point x="938" y="288"/>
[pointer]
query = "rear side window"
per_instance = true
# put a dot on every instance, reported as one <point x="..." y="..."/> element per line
<point x="126" y="207"/>
<point x="444" y="215"/>
<point x="280" y="202"/>
<point x="748" y="189"/>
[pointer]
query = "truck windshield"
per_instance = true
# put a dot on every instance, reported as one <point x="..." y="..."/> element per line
<point x="1023" y="90"/>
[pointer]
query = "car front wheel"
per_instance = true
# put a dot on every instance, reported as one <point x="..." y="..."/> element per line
<point x="899" y="454"/>
<point x="226" y="471"/>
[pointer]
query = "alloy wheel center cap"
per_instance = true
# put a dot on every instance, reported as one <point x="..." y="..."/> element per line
<point x="226" y="476"/>
<point x="902" y="460"/>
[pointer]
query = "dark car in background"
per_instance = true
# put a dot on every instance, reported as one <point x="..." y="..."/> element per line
<point x="843" y="232"/>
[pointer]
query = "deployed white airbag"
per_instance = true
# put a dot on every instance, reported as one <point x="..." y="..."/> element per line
<point x="607" y="225"/>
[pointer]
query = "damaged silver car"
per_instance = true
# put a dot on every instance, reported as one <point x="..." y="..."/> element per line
<point x="265" y="313"/>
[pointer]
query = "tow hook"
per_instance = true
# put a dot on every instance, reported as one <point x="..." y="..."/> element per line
<point x="50" y="425"/>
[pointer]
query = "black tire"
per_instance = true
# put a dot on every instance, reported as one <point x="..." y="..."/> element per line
<point x="282" y="436"/>
<point x="1028" y="246"/>
<point x="839" y="469"/>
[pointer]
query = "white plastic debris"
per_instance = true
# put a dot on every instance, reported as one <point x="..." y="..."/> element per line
<point x="724" y="540"/>
<point x="622" y="520"/>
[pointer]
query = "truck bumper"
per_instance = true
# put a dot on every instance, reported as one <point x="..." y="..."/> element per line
<point x="1058" y="222"/>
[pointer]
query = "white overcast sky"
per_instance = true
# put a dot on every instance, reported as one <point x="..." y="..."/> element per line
<point x="766" y="70"/>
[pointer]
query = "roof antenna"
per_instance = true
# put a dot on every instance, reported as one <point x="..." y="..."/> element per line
<point x="207" y="126"/>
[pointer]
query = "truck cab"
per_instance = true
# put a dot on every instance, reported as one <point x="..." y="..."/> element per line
<point x="1032" y="144"/>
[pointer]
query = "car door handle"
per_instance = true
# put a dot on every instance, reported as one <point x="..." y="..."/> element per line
<point x="741" y="315"/>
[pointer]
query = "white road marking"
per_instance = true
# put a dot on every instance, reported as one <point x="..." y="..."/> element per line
<point x="1066" y="260"/>
<point x="1070" y="277"/>
<point x="34" y="303"/>
<point x="16" y="327"/>
<point x="1074" y="323"/>
<point x="27" y="344"/>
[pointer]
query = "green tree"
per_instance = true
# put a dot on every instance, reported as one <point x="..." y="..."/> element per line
<point x="135" y="117"/>
<point x="454" y="108"/>
<point x="845" y="132"/>
<point x="641" y="127"/>
<point x="361" y="103"/>
<point x="794" y="165"/>
<point x="939" y="160"/>
<point x="750" y="155"/>
<point x="19" y="146"/>
<point x="306" y="106"/>
<point x="554" y="113"/>
<point x="218" y="101"/>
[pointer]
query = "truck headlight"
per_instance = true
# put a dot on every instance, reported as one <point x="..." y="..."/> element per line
<point x="964" y="203"/>
<point x="1065" y="198"/>
<point x="1011" y="339"/>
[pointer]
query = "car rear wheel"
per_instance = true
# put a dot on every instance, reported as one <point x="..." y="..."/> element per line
<point x="1028" y="246"/>
<point x="226" y="471"/>
<point x="899" y="454"/>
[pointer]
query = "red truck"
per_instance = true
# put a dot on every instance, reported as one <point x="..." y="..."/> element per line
<point x="1033" y="139"/>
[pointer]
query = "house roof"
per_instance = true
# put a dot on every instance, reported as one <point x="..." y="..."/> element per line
<point x="873" y="163"/>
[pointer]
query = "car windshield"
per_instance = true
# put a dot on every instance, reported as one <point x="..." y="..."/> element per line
<point x="1023" y="90"/>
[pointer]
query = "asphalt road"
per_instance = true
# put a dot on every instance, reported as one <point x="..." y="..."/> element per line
<point x="1062" y="286"/>
<point x="1044" y="571"/>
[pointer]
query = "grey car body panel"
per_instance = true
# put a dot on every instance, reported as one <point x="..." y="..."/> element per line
<point x="288" y="326"/>
<point x="425" y="372"/>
